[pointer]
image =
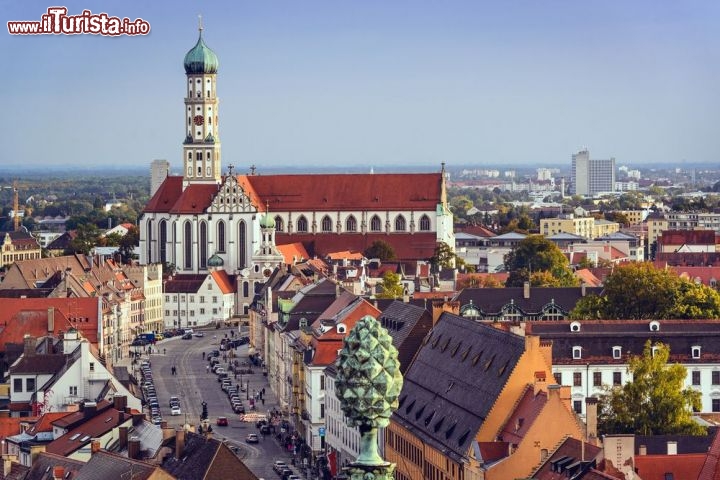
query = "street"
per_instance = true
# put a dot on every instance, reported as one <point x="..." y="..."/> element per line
<point x="193" y="384"/>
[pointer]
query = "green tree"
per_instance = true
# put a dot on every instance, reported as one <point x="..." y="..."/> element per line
<point x="537" y="254"/>
<point x="642" y="291"/>
<point x="128" y="243"/>
<point x="654" y="402"/>
<point x="380" y="249"/>
<point x="87" y="238"/>
<point x="391" y="286"/>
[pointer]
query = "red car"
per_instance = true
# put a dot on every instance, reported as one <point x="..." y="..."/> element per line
<point x="222" y="422"/>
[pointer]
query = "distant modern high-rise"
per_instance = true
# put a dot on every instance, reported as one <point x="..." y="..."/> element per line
<point x="590" y="177"/>
<point x="159" y="170"/>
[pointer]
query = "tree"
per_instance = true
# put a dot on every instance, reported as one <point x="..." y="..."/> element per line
<point x="128" y="243"/>
<point x="642" y="291"/>
<point x="391" y="286"/>
<point x="537" y="254"/>
<point x="86" y="239"/>
<point x="380" y="249"/>
<point x="654" y="402"/>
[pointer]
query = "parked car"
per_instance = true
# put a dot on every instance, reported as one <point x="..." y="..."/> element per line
<point x="139" y="342"/>
<point x="222" y="422"/>
<point x="252" y="438"/>
<point x="187" y="336"/>
<point x="279" y="466"/>
<point x="199" y="334"/>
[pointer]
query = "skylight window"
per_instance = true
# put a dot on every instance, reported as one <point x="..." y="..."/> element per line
<point x="74" y="437"/>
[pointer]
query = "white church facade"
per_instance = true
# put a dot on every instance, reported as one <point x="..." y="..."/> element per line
<point x="238" y="218"/>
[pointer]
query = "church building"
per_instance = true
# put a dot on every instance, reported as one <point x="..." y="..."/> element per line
<point x="208" y="219"/>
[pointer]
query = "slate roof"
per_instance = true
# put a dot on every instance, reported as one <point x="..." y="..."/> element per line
<point x="107" y="465"/>
<point x="44" y="463"/>
<point x="185" y="283"/>
<point x="205" y="458"/>
<point x="40" y="364"/>
<point x="311" y="301"/>
<point x="455" y="380"/>
<point x="567" y="453"/>
<point x="598" y="337"/>
<point x="492" y="300"/>
<point x="407" y="324"/>
<point x="657" y="444"/>
<point x="694" y="237"/>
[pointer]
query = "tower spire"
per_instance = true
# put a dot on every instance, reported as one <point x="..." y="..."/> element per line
<point x="200" y="26"/>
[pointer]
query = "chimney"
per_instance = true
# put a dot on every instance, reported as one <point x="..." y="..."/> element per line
<point x="582" y="289"/>
<point x="29" y="345"/>
<point x="643" y="450"/>
<point x="51" y="319"/>
<point x="120" y="402"/>
<point x="58" y="473"/>
<point x="7" y="466"/>
<point x="591" y="419"/>
<point x="90" y="409"/>
<point x="137" y="418"/>
<point x="526" y="290"/>
<point x="94" y="446"/>
<point x="122" y="438"/>
<point x="134" y="448"/>
<point x="671" y="447"/>
<point x="179" y="443"/>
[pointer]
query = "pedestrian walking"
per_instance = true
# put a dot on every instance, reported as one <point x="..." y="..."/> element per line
<point x="203" y="355"/>
<point x="207" y="368"/>
<point x="262" y="400"/>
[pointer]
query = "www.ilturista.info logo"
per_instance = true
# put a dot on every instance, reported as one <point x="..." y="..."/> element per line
<point x="57" y="22"/>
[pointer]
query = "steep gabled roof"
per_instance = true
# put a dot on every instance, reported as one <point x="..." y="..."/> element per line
<point x="407" y="324"/>
<point x="44" y="463"/>
<point x="492" y="300"/>
<point x="185" y="283"/>
<point x="293" y="252"/>
<point x="455" y="380"/>
<point x="523" y="416"/>
<point x="221" y="278"/>
<point x="107" y="465"/>
<point x="332" y="192"/>
<point x="568" y="452"/>
<point x="204" y="457"/>
<point x="682" y="466"/>
<point x="40" y="364"/>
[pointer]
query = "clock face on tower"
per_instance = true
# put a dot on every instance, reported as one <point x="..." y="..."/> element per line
<point x="199" y="120"/>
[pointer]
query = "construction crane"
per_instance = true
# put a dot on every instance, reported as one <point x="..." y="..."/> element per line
<point x="16" y="204"/>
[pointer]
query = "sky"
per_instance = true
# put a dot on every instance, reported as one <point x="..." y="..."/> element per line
<point x="372" y="83"/>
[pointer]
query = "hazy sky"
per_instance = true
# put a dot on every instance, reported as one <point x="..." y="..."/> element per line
<point x="373" y="82"/>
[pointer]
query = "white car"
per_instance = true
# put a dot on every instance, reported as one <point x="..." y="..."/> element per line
<point x="199" y="334"/>
<point x="175" y="410"/>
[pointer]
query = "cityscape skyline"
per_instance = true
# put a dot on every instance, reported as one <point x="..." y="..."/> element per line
<point x="374" y="85"/>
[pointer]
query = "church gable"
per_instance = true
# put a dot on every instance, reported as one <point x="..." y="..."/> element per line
<point x="232" y="198"/>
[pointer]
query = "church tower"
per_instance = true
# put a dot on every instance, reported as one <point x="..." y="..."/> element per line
<point x="201" y="148"/>
<point x="267" y="257"/>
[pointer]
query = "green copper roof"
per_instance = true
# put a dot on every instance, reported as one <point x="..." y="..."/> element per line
<point x="215" y="261"/>
<point x="200" y="59"/>
<point x="267" y="221"/>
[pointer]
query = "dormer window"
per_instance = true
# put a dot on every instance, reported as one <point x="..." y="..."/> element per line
<point x="575" y="327"/>
<point x="303" y="322"/>
<point x="341" y="328"/>
<point x="577" y="353"/>
<point x="617" y="352"/>
<point x="654" y="326"/>
<point x="695" y="351"/>
<point x="654" y="350"/>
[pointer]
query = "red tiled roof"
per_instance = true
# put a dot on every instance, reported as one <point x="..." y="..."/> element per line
<point x="293" y="253"/>
<point x="22" y="316"/>
<point x="105" y="420"/>
<point x="525" y="413"/>
<point x="417" y="246"/>
<point x="428" y="295"/>
<point x="10" y="426"/>
<point x="223" y="281"/>
<point x="184" y="283"/>
<point x="692" y="237"/>
<point x="345" y="255"/>
<point x="309" y="192"/>
<point x="711" y="466"/>
<point x="491" y="451"/>
<point x="331" y="192"/>
<point x="587" y="277"/>
<point x="654" y="467"/>
<point x="478" y="230"/>
<point x="44" y="423"/>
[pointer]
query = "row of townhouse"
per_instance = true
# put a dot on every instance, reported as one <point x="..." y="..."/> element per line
<point x="129" y="299"/>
